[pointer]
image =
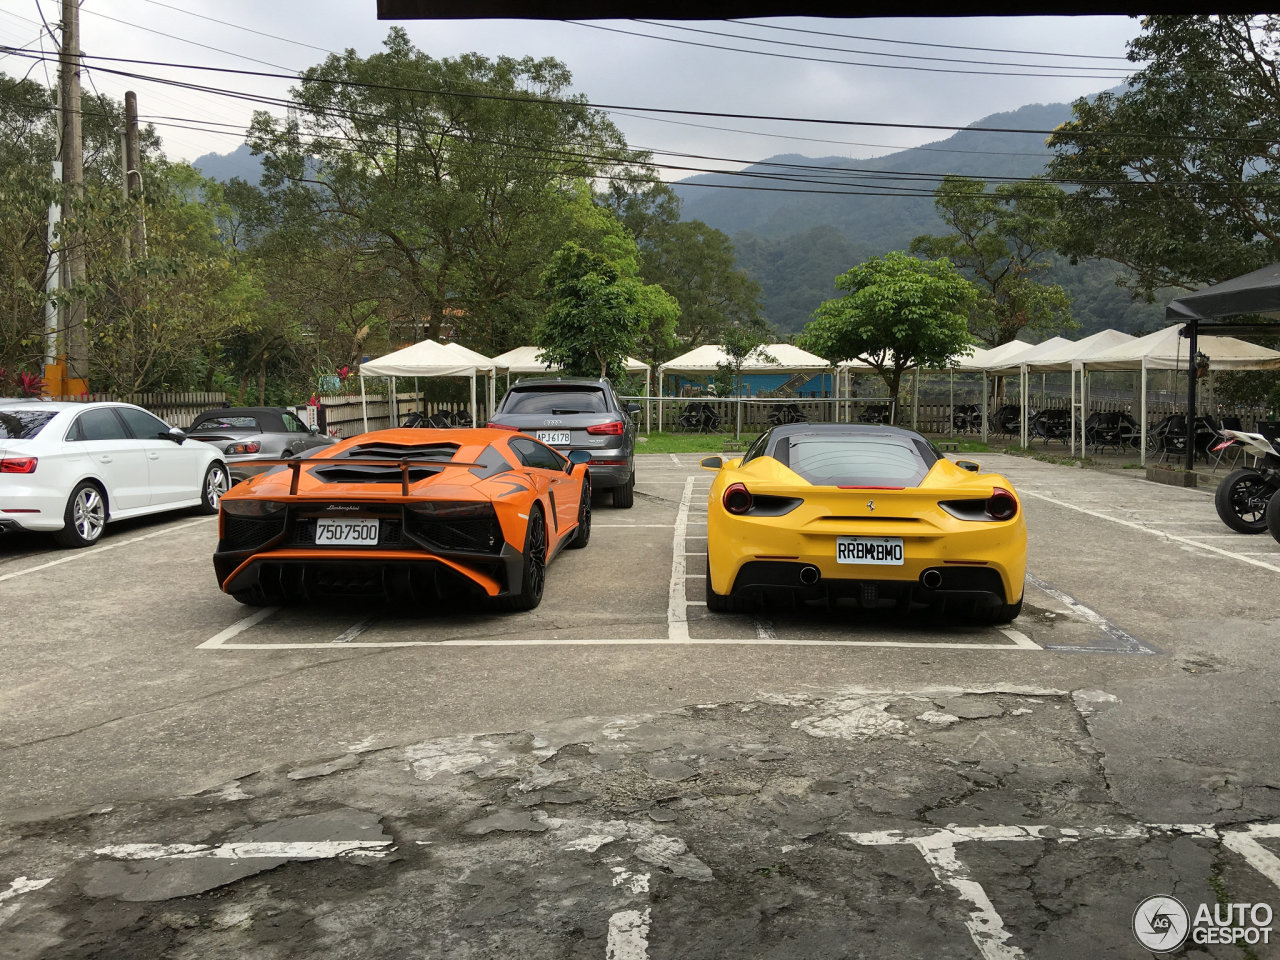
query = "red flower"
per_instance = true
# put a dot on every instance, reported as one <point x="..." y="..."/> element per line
<point x="344" y="372"/>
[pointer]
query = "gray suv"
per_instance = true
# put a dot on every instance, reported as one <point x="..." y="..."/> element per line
<point x="578" y="415"/>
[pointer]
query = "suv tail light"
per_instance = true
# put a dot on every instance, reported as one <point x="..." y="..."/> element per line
<point x="737" y="499"/>
<point x="18" y="464"/>
<point x="1001" y="505"/>
<point x="502" y="426"/>
<point x="614" y="429"/>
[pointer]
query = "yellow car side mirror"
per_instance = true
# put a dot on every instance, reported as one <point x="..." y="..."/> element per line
<point x="970" y="465"/>
<point x="711" y="463"/>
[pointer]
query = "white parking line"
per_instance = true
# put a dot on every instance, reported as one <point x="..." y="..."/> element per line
<point x="1163" y="534"/>
<point x="677" y="606"/>
<point x="353" y="631"/>
<point x="249" y="850"/>
<point x="94" y="551"/>
<point x="240" y="626"/>
<point x="986" y="926"/>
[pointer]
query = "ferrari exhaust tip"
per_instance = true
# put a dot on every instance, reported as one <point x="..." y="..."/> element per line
<point x="809" y="575"/>
<point x="932" y="579"/>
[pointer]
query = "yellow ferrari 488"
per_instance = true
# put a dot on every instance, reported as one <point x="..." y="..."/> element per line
<point x="838" y="512"/>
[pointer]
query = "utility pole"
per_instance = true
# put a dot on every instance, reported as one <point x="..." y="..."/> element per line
<point x="75" y="338"/>
<point x="53" y="272"/>
<point x="133" y="172"/>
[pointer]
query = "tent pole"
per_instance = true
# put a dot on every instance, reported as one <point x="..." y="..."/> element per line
<point x="1024" y="389"/>
<point x="1142" y="459"/>
<point x="648" y="407"/>
<point x="474" y="412"/>
<point x="364" y="407"/>
<point x="915" y="399"/>
<point x="1191" y="396"/>
<point x="984" y="406"/>
<point x="1072" y="412"/>
<point x="493" y="394"/>
<point x="393" y="408"/>
<point x="951" y="429"/>
<point x="659" y="399"/>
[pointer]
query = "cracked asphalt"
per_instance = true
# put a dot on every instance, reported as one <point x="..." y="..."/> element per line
<point x="619" y="774"/>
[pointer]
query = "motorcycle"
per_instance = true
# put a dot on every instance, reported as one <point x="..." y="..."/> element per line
<point x="1246" y="498"/>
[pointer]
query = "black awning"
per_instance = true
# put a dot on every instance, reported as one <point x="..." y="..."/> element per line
<point x="1253" y="293"/>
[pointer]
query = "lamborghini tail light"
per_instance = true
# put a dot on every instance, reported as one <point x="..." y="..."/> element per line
<point x="251" y="508"/>
<point x="737" y="499"/>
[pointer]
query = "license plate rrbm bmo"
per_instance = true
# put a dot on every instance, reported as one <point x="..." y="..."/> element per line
<point x="346" y="533"/>
<point x="886" y="551"/>
<point x="554" y="437"/>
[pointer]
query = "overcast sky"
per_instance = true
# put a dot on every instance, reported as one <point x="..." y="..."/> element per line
<point x="798" y="74"/>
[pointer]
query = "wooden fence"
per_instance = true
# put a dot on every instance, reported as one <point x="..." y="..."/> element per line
<point x="178" y="409"/>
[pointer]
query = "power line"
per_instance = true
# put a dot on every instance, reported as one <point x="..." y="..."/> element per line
<point x="921" y="43"/>
<point x="606" y="107"/>
<point x="872" y="53"/>
<point x="846" y="63"/>
<point x="238" y="26"/>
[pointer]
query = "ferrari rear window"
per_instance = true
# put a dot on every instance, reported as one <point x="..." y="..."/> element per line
<point x="23" y="424"/>
<point x="865" y="461"/>
<point x="552" y="401"/>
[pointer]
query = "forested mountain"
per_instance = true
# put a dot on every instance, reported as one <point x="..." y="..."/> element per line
<point x="794" y="244"/>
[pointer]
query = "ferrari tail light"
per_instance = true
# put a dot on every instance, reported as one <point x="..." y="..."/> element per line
<point x="502" y="426"/>
<point x="251" y="508"/>
<point x="248" y="446"/>
<point x="1001" y="505"/>
<point x="737" y="499"/>
<point x="18" y="464"/>
<point x="613" y="429"/>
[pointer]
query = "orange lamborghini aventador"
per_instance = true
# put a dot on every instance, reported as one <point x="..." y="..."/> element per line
<point x="405" y="513"/>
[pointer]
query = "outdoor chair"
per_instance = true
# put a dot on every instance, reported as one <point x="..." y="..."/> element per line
<point x="1007" y="420"/>
<point x="1051" y="425"/>
<point x="1170" y="435"/>
<point x="967" y="418"/>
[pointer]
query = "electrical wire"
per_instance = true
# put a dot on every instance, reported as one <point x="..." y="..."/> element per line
<point x="871" y="53"/>
<point x="847" y="63"/>
<point x="921" y="43"/>
<point x="606" y="107"/>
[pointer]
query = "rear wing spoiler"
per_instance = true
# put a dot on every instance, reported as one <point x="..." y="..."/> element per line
<point x="296" y="464"/>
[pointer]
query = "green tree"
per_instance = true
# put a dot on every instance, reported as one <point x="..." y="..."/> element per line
<point x="447" y="181"/>
<point x="1002" y="241"/>
<point x="693" y="262"/>
<point x="897" y="312"/>
<point x="597" y="311"/>
<point x="1177" y="178"/>
<point x="738" y="343"/>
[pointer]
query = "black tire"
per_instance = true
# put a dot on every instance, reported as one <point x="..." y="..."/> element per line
<point x="716" y="602"/>
<point x="217" y="481"/>
<point x="1002" y="614"/>
<point x="1273" y="516"/>
<point x="84" y="518"/>
<point x="533" y="575"/>
<point x="583" y="535"/>
<point x="625" y="495"/>
<point x="1241" y="500"/>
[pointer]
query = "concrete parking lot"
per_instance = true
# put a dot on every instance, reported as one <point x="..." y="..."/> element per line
<point x="620" y="774"/>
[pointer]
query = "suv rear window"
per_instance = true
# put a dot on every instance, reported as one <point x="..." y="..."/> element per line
<point x="555" y="401"/>
<point x="23" y="424"/>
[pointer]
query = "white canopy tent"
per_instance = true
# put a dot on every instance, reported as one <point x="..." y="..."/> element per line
<point x="525" y="360"/>
<point x="769" y="358"/>
<point x="425" y="359"/>
<point x="1167" y="350"/>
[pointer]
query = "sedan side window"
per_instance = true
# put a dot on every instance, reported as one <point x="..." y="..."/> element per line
<point x="99" y="424"/>
<point x="144" y="425"/>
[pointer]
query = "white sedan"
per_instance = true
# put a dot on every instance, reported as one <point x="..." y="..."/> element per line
<point x="71" y="468"/>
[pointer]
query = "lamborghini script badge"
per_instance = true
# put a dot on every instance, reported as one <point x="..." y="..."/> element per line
<point x="871" y="505"/>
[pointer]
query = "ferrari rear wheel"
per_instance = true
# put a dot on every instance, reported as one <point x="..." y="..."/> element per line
<point x="534" y="572"/>
<point x="625" y="495"/>
<point x="716" y="602"/>
<point x="1004" y="613"/>
<point x="583" y="535"/>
